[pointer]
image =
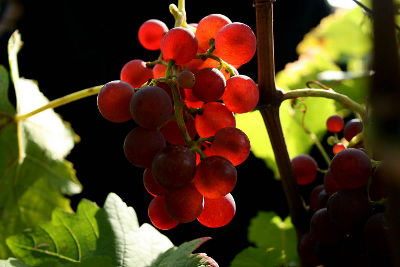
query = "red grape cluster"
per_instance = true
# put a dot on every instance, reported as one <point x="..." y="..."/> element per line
<point x="184" y="104"/>
<point x="348" y="226"/>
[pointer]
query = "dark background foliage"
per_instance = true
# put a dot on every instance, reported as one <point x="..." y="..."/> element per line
<point x="72" y="45"/>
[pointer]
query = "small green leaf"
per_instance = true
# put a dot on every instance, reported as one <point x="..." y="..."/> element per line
<point x="257" y="257"/>
<point x="275" y="243"/>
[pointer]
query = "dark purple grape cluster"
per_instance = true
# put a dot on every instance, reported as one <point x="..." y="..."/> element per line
<point x="183" y="104"/>
<point x="348" y="226"/>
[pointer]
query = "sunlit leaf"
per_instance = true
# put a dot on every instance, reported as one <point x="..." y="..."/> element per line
<point x="34" y="175"/>
<point x="101" y="237"/>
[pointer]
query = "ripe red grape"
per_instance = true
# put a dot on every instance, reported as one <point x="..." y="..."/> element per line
<point x="174" y="166"/>
<point x="151" y="185"/>
<point x="173" y="134"/>
<point x="331" y="186"/>
<point x="352" y="128"/>
<point x="180" y="45"/>
<point x="241" y="94"/>
<point x="215" y="177"/>
<point x="141" y="145"/>
<point x="159" y="216"/>
<point x="209" y="85"/>
<point x="191" y="101"/>
<point x="351" y="168"/>
<point x="322" y="199"/>
<point x="186" y="79"/>
<point x="314" y="197"/>
<point x="208" y="28"/>
<point x="376" y="235"/>
<point x="334" y="123"/>
<point x="235" y="43"/>
<point x="338" y="147"/>
<point x="306" y="250"/>
<point x="184" y="204"/>
<point x="151" y="32"/>
<point x="159" y="71"/>
<point x="136" y="73"/>
<point x="113" y="101"/>
<point x="231" y="143"/>
<point x="215" y="116"/>
<point x="348" y="208"/>
<point x="323" y="230"/>
<point x="217" y="212"/>
<point x="305" y="169"/>
<point x="151" y="107"/>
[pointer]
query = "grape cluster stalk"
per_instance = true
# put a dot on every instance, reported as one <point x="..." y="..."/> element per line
<point x="183" y="104"/>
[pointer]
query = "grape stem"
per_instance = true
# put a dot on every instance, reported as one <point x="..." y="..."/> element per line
<point x="61" y="101"/>
<point x="344" y="100"/>
<point x="270" y="100"/>
<point x="222" y="64"/>
<point x="178" y="103"/>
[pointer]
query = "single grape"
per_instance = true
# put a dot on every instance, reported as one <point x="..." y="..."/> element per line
<point x="335" y="123"/>
<point x="338" y="147"/>
<point x="141" y="145"/>
<point x="330" y="183"/>
<point x="348" y="209"/>
<point x="352" y="128"/>
<point x="208" y="28"/>
<point x="231" y="143"/>
<point x="215" y="116"/>
<point x="151" y="33"/>
<point x="151" y="185"/>
<point x="306" y="250"/>
<point x="305" y="169"/>
<point x="136" y="73"/>
<point x="151" y="107"/>
<point x="113" y="101"/>
<point x="323" y="230"/>
<point x="351" y="168"/>
<point x="174" y="166"/>
<point x="179" y="45"/>
<point x="191" y="101"/>
<point x="376" y="235"/>
<point x="184" y="204"/>
<point x="314" y="197"/>
<point x="209" y="85"/>
<point x="217" y="212"/>
<point x="186" y="79"/>
<point x="159" y="216"/>
<point x="241" y="94"/>
<point x="215" y="177"/>
<point x="173" y="134"/>
<point x="235" y="43"/>
<point x="159" y="71"/>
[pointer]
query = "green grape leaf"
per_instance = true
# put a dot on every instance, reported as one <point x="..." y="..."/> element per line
<point x="181" y="256"/>
<point x="275" y="243"/>
<point x="11" y="262"/>
<point x="112" y="232"/>
<point x="34" y="175"/>
<point x="257" y="257"/>
<point x="342" y="35"/>
<point x="268" y="231"/>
